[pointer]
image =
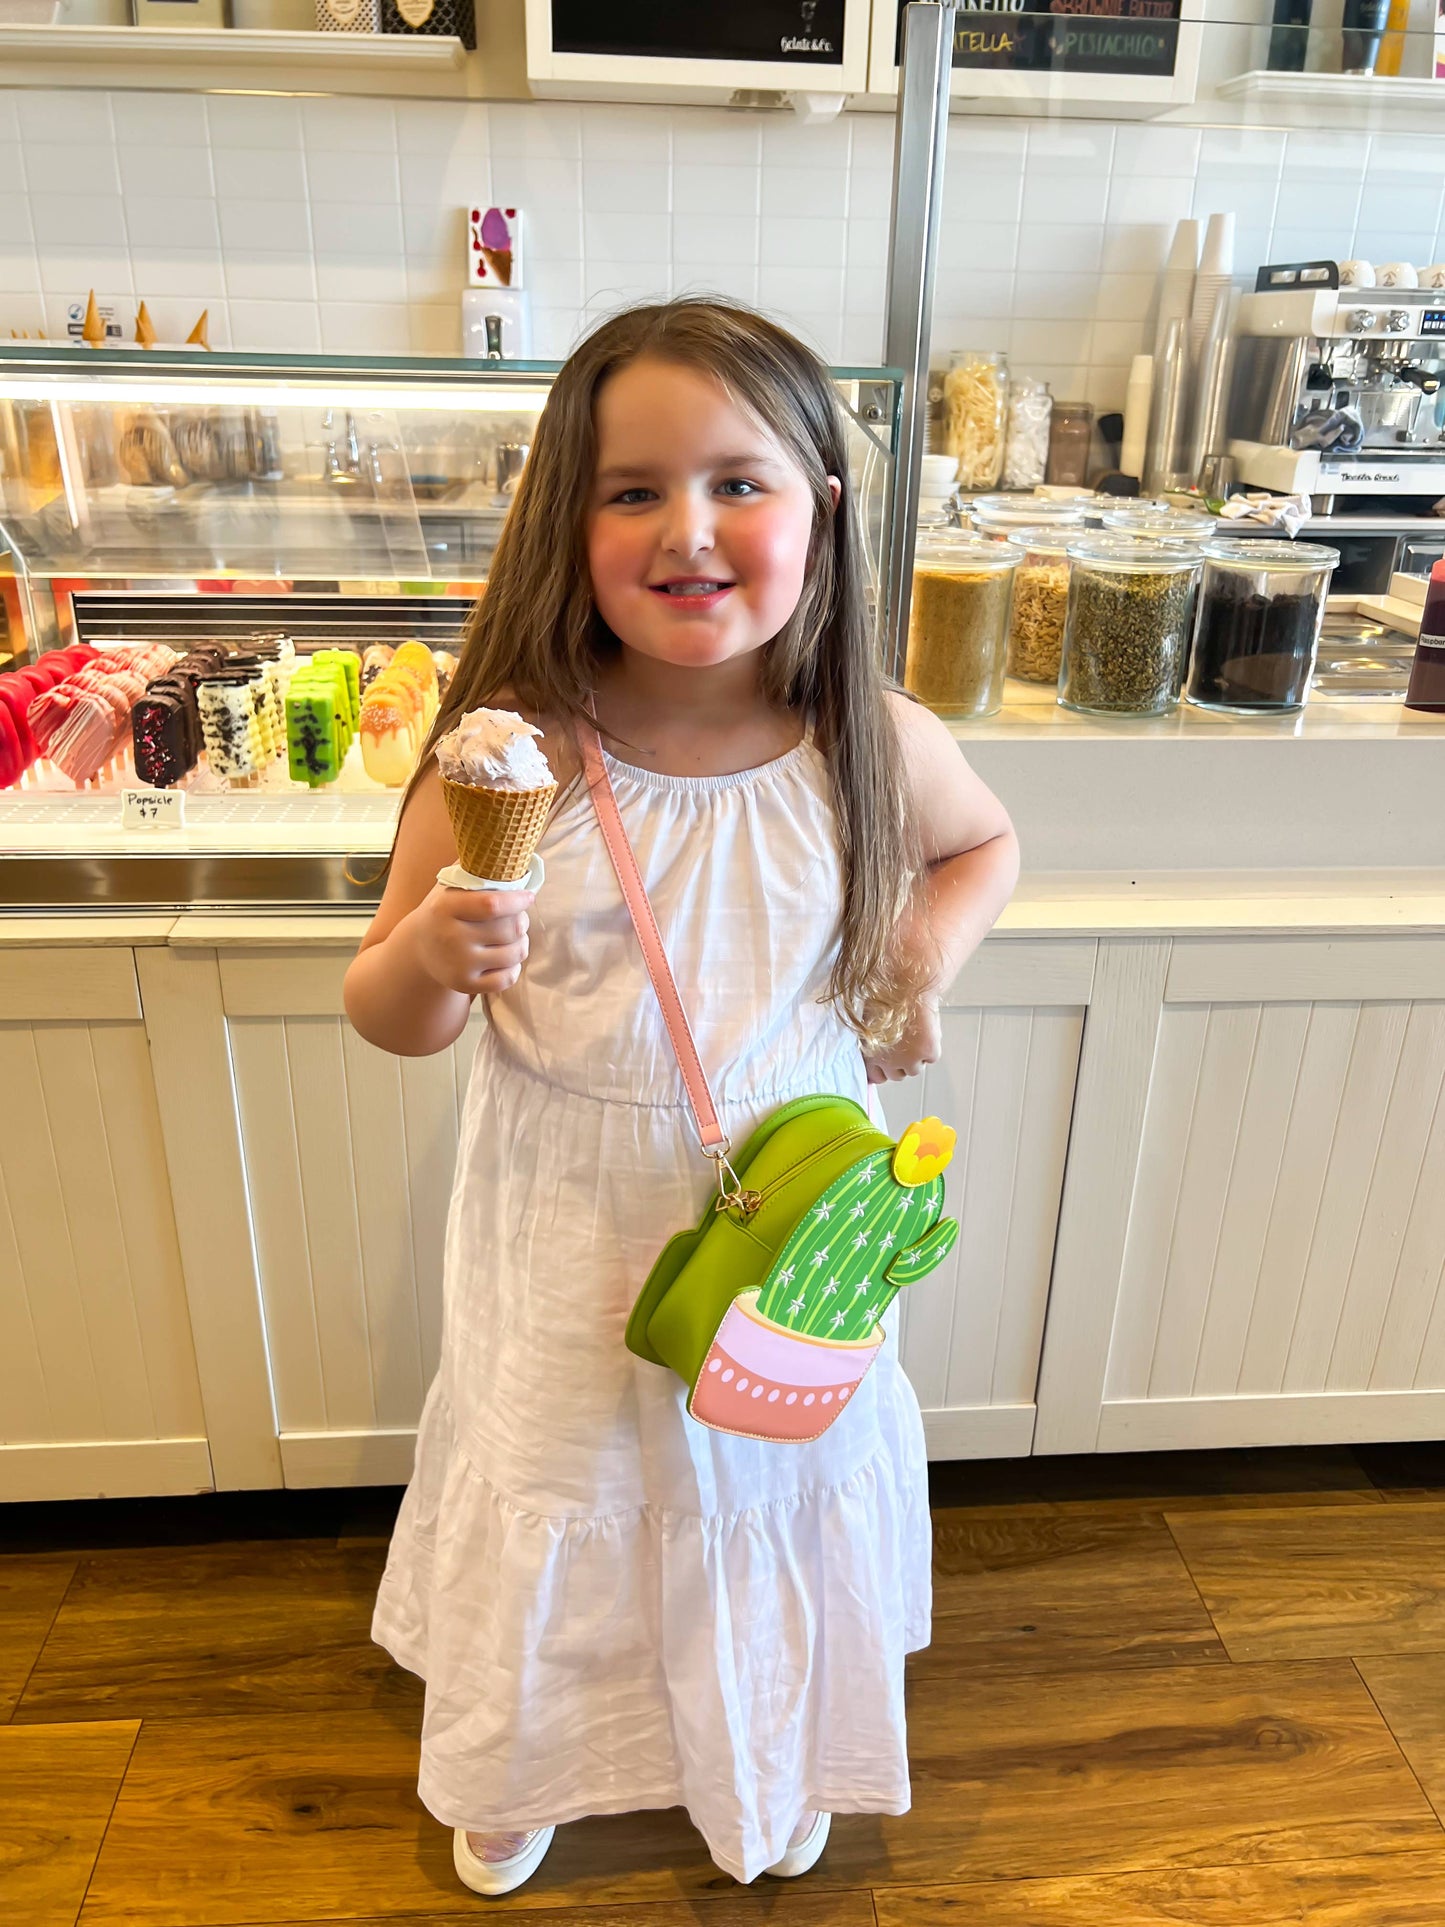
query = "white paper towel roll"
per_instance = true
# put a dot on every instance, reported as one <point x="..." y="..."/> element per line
<point x="1136" y="415"/>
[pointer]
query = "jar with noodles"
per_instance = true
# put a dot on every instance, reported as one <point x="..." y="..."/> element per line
<point x="1040" y="602"/>
<point x="958" y="626"/>
<point x="975" y="404"/>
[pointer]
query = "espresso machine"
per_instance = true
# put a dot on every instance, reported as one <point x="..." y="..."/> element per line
<point x="1337" y="391"/>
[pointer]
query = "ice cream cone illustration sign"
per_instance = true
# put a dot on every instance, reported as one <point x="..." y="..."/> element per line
<point x="494" y="247"/>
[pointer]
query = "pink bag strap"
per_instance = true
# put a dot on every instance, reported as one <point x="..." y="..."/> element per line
<point x="714" y="1142"/>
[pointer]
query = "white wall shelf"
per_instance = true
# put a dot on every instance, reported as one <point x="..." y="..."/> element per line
<point x="230" y="59"/>
<point x="1339" y="100"/>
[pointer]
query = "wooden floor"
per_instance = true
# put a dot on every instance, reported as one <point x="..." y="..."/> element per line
<point x="1203" y="1690"/>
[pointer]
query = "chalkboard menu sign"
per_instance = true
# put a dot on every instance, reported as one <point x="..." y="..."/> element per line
<point x="1066" y="36"/>
<point x="807" y="32"/>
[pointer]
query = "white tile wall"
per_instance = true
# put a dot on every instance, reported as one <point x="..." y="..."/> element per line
<point x="337" y="224"/>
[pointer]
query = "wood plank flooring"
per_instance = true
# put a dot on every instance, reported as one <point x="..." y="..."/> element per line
<point x="1192" y="1690"/>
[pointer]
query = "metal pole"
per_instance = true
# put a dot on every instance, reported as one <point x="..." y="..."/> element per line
<point x="919" y="142"/>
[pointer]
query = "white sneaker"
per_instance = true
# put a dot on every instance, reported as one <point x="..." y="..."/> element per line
<point x="807" y="1853"/>
<point x="499" y="1876"/>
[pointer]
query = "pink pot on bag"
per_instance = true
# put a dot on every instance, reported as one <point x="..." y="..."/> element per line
<point x="762" y="1381"/>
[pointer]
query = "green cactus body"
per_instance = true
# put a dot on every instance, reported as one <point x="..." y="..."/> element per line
<point x="844" y="1262"/>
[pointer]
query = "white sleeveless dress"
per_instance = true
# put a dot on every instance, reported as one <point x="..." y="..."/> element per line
<point x="613" y="1607"/>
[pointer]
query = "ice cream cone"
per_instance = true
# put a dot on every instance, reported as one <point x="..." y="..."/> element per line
<point x="499" y="260"/>
<point x="199" y="337"/>
<point x="497" y="831"/>
<point x="92" y="330"/>
<point x="145" y="333"/>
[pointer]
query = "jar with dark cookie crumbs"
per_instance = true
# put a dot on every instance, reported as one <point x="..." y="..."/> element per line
<point x="1126" y="637"/>
<point x="1261" y="607"/>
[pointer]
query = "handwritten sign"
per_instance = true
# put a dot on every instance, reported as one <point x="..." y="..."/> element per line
<point x="152" y="809"/>
<point x="1067" y="36"/>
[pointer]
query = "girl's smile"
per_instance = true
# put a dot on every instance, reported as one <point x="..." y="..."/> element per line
<point x="701" y="523"/>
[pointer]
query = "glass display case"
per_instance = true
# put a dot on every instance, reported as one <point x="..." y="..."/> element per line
<point x="232" y="589"/>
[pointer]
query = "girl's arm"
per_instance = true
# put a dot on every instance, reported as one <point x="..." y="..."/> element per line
<point x="973" y="858"/>
<point x="430" y="950"/>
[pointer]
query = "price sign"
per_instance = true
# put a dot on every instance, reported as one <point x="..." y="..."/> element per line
<point x="152" y="809"/>
<point x="1067" y="36"/>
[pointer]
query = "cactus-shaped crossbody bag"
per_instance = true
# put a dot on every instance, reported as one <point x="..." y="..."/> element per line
<point x="771" y="1308"/>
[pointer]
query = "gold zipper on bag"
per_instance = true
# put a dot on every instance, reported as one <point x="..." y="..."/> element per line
<point x="749" y="1203"/>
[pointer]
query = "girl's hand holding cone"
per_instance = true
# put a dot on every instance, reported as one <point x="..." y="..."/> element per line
<point x="472" y="941"/>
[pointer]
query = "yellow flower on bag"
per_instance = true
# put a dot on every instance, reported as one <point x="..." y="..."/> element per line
<point x="923" y="1151"/>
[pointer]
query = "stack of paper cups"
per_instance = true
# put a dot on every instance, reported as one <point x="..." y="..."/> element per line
<point x="1216" y="269"/>
<point x="1211" y="384"/>
<point x="1136" y="416"/>
<point x="1176" y="285"/>
<point x="1164" y="465"/>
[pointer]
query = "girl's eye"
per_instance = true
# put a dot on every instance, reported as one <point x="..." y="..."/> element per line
<point x="629" y="496"/>
<point x="738" y="488"/>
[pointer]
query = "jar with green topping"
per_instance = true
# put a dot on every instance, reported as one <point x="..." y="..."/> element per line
<point x="1126" y="640"/>
<point x="958" y="624"/>
<point x="1040" y="602"/>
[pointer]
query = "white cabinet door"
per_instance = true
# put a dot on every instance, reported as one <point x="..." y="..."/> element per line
<point x="971" y="1334"/>
<point x="1253" y="1243"/>
<point x="349" y="1154"/>
<point x="99" y="1394"/>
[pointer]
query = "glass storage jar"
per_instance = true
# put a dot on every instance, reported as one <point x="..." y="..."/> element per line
<point x="1131" y="603"/>
<point x="1261" y="605"/>
<point x="1070" y="433"/>
<point x="1026" y="440"/>
<point x="1162" y="524"/>
<point x="1040" y="602"/>
<point x="958" y="624"/>
<point x="975" y="402"/>
<point x="1002" y="514"/>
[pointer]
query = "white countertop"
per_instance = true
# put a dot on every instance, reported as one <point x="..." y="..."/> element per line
<point x="1031" y="710"/>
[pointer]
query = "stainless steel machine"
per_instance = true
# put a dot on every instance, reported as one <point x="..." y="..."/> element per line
<point x="1337" y="391"/>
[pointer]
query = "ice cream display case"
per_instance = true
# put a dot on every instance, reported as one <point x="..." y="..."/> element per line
<point x="232" y="589"/>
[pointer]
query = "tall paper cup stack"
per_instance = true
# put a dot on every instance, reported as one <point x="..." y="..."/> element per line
<point x="1216" y="269"/>
<point x="1176" y="285"/>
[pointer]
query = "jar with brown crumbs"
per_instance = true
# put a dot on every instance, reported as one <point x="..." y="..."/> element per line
<point x="958" y="625"/>
<point x="1126" y="639"/>
<point x="1040" y="603"/>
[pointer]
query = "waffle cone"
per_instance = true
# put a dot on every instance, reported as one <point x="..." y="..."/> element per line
<point x="497" y="831"/>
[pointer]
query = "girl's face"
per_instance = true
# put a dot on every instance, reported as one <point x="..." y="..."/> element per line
<point x="700" y="522"/>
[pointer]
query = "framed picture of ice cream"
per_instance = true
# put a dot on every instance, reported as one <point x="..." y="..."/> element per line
<point x="494" y="247"/>
<point x="181" y="13"/>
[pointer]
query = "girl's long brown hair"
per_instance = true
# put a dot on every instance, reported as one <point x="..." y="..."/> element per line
<point x="536" y="630"/>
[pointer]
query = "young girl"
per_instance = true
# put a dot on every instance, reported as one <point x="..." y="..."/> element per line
<point x="612" y="1606"/>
